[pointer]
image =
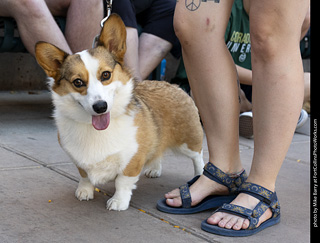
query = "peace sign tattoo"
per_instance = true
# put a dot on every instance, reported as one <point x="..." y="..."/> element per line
<point x="193" y="5"/>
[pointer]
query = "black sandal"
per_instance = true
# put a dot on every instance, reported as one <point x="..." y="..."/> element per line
<point x="210" y="202"/>
<point x="268" y="199"/>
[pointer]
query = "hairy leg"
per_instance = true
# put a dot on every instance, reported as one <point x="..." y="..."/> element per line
<point x="34" y="20"/>
<point x="144" y="53"/>
<point x="152" y="49"/>
<point x="83" y="20"/>
<point x="131" y="57"/>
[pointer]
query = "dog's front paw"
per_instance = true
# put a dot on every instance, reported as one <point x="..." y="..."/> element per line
<point x="117" y="205"/>
<point x="85" y="190"/>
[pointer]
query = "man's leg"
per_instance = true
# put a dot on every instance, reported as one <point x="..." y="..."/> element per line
<point x="144" y="53"/>
<point x="131" y="57"/>
<point x="152" y="49"/>
<point x="83" y="23"/>
<point x="35" y="23"/>
<point x="82" y="20"/>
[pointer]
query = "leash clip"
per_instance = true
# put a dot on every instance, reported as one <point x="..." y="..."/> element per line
<point x="109" y="7"/>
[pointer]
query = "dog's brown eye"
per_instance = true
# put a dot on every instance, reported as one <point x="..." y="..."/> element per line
<point x="78" y="83"/>
<point x="106" y="75"/>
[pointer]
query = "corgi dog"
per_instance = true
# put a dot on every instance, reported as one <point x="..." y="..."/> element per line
<point x="112" y="126"/>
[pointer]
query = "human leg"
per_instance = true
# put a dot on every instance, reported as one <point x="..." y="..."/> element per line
<point x="306" y="87"/>
<point x="152" y="49"/>
<point x="158" y="35"/>
<point x="212" y="76"/>
<point x="277" y="95"/>
<point x="131" y="57"/>
<point x="245" y="103"/>
<point x="82" y="20"/>
<point x="277" y="79"/>
<point x="127" y="11"/>
<point x="34" y="20"/>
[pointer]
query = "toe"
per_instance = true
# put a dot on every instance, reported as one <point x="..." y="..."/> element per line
<point x="215" y="218"/>
<point x="231" y="223"/>
<point x="174" y="202"/>
<point x="172" y="194"/>
<point x="225" y="221"/>
<point x="245" y="224"/>
<point x="239" y="223"/>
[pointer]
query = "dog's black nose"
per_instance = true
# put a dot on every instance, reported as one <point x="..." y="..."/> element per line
<point x="100" y="106"/>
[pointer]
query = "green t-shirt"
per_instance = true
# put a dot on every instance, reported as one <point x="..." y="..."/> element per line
<point x="237" y="36"/>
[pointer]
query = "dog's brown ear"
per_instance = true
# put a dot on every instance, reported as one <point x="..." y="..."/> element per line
<point x="113" y="37"/>
<point x="50" y="58"/>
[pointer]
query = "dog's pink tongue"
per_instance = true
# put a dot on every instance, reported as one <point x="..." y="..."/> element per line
<point x="101" y="122"/>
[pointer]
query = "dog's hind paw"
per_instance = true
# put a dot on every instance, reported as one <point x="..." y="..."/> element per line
<point x="117" y="205"/>
<point x="153" y="169"/>
<point x="152" y="173"/>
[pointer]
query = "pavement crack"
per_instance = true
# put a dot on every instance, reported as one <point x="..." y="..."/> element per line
<point x="41" y="163"/>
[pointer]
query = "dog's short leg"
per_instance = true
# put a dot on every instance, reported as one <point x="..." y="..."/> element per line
<point x="85" y="189"/>
<point x="153" y="169"/>
<point x="197" y="158"/>
<point x="121" y="199"/>
<point x="198" y="163"/>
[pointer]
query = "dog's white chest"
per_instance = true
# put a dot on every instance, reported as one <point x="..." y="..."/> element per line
<point x="105" y="171"/>
<point x="103" y="154"/>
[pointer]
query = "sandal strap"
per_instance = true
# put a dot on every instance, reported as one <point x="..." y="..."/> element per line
<point x="268" y="199"/>
<point x="217" y="175"/>
<point x="241" y="212"/>
<point x="185" y="193"/>
<point x="235" y="209"/>
<point x="259" y="192"/>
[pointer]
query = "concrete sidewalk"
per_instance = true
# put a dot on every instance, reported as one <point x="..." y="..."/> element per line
<point x="38" y="181"/>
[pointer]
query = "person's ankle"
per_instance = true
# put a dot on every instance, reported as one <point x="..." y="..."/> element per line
<point x="234" y="168"/>
<point x="270" y="185"/>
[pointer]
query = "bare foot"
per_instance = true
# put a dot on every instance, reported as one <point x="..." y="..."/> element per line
<point x="199" y="190"/>
<point x="228" y="221"/>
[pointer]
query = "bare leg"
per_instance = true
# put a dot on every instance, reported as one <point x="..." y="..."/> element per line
<point x="34" y="20"/>
<point x="144" y="53"/>
<point x="131" y="57"/>
<point x="83" y="20"/>
<point x="306" y="87"/>
<point x="245" y="103"/>
<point x="277" y="79"/>
<point x="83" y="23"/>
<point x="207" y="69"/>
<point x="213" y="80"/>
<point x="152" y="49"/>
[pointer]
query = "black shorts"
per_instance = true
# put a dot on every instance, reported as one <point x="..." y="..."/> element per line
<point x="154" y="16"/>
